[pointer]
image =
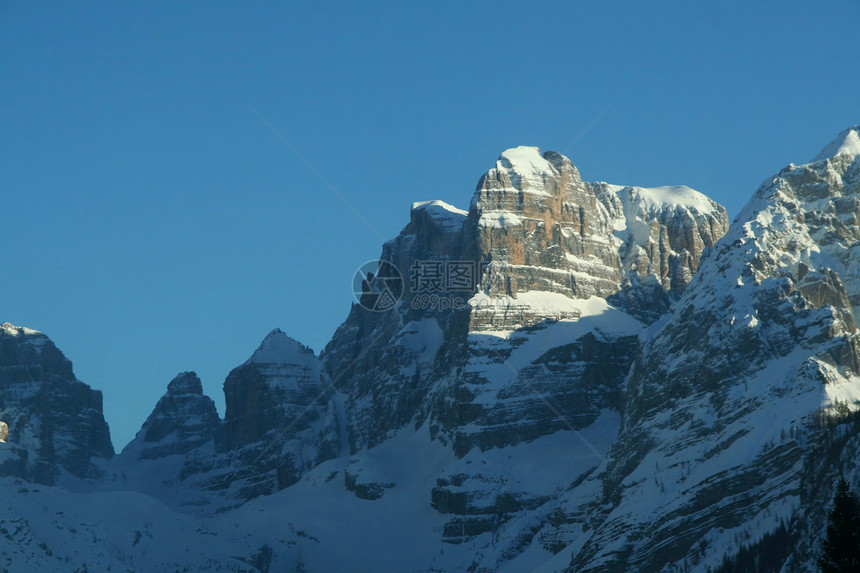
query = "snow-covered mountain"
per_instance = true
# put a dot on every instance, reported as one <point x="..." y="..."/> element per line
<point x="576" y="377"/>
<point x="722" y="437"/>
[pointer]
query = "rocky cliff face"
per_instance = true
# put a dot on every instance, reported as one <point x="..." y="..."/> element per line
<point x="536" y="226"/>
<point x="539" y="245"/>
<point x="183" y="420"/>
<point x="532" y="347"/>
<point x="55" y="420"/>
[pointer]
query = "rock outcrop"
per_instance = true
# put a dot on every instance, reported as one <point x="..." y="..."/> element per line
<point x="534" y="225"/>
<point x="55" y="421"/>
<point x="183" y="420"/>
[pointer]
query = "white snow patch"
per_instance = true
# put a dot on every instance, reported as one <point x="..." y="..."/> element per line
<point x="450" y="217"/>
<point x="436" y="206"/>
<point x="655" y="198"/>
<point x="423" y="337"/>
<point x="525" y="164"/>
<point x="611" y="319"/>
<point x="595" y="315"/>
<point x="9" y="329"/>
<point x="526" y="161"/>
<point x="846" y="143"/>
<point x="499" y="219"/>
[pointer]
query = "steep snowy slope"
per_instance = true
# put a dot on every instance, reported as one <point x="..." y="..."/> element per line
<point x="724" y="437"/>
<point x="49" y="529"/>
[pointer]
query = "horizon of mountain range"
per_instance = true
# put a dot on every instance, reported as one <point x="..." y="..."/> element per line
<point x="567" y="376"/>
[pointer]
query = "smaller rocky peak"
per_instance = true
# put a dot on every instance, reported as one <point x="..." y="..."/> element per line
<point x="434" y="231"/>
<point x="182" y="420"/>
<point x="185" y="383"/>
<point x="656" y="199"/>
<point x="278" y="348"/>
<point x="435" y="221"/>
<point x="277" y="420"/>
<point x="846" y="143"/>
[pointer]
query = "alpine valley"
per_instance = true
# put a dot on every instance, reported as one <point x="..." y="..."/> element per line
<point x="615" y="380"/>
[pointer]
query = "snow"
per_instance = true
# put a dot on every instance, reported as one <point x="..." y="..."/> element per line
<point x="525" y="164"/>
<point x="9" y="329"/>
<point x="342" y="532"/>
<point x="595" y="315"/>
<point x="278" y="348"/>
<point x="49" y="529"/>
<point x="639" y="205"/>
<point x="846" y="143"/>
<point x="650" y="199"/>
<point x="841" y="389"/>
<point x="336" y="531"/>
<point x="437" y="206"/>
<point x="526" y="161"/>
<point x="600" y="313"/>
<point x="447" y="215"/>
<point x="499" y="219"/>
<point x="423" y="337"/>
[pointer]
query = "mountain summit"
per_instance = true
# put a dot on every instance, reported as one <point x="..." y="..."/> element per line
<point x="846" y="143"/>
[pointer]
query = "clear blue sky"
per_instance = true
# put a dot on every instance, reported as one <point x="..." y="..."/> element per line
<point x="152" y="223"/>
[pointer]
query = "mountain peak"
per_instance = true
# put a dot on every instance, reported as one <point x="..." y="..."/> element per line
<point x="846" y="143"/>
<point x="525" y="163"/>
<point x="9" y="329"/>
<point x="185" y="383"/>
<point x="182" y="420"/>
<point x="277" y="347"/>
<point x="440" y="208"/>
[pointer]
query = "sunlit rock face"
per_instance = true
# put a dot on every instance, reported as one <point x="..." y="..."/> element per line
<point x="566" y="276"/>
<point x="55" y="421"/>
<point x="536" y="226"/>
<point x="541" y="244"/>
